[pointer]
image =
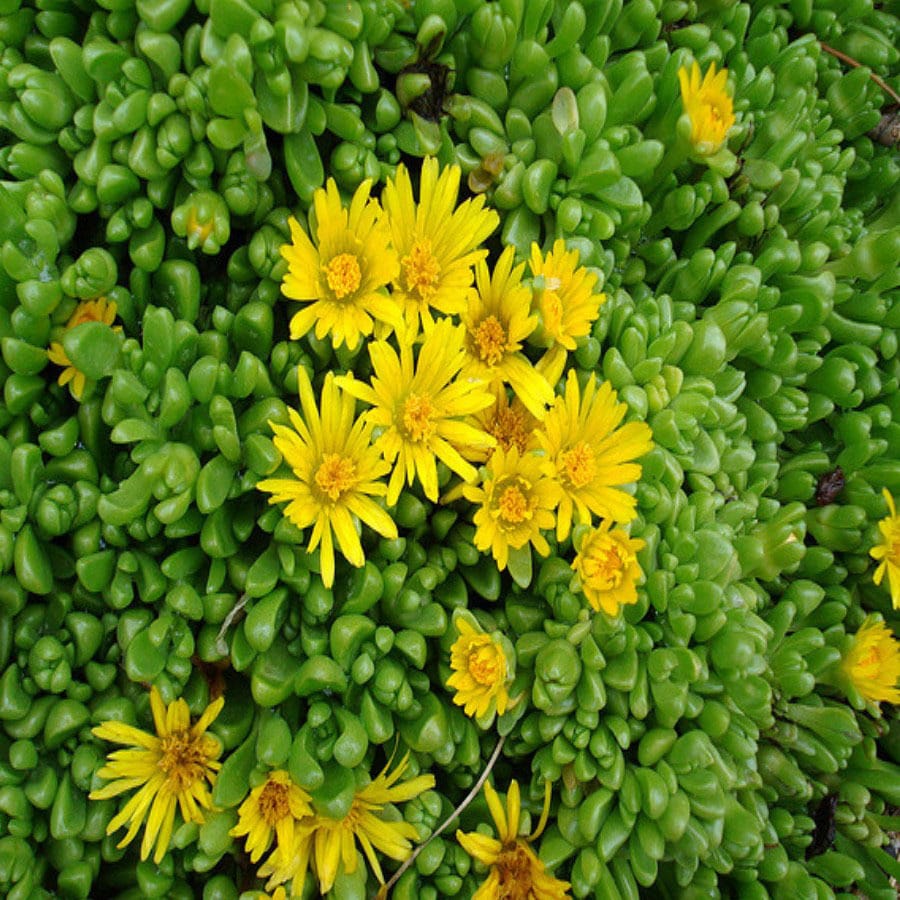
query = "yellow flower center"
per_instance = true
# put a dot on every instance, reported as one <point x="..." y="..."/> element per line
<point x="485" y="665"/>
<point x="92" y="311"/>
<point x="578" y="466"/>
<point x="421" y="269"/>
<point x="343" y="275"/>
<point x="202" y="230"/>
<point x="510" y="429"/>
<point x="274" y="804"/>
<point x="335" y="475"/>
<point x="417" y="416"/>
<point x="604" y="566"/>
<point x="513" y="505"/>
<point x="184" y="760"/>
<point x="513" y="865"/>
<point x="490" y="339"/>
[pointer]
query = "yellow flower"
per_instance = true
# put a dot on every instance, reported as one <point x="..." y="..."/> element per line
<point x="497" y="321"/>
<point x="888" y="551"/>
<point x="328" y="843"/>
<point x="99" y="310"/>
<point x="590" y="455"/>
<point x="708" y="106"/>
<point x="480" y="671"/>
<point x="515" y="871"/>
<point x="509" y="424"/>
<point x="343" y="275"/>
<point x="564" y="295"/>
<point x="607" y="567"/>
<point x="420" y="406"/>
<point x="872" y="664"/>
<point x="171" y="768"/>
<point x="275" y="805"/>
<point x="336" y="474"/>
<point x="517" y="501"/>
<point x="436" y="243"/>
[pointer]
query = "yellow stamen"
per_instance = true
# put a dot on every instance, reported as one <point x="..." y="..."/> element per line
<point x="513" y="505"/>
<point x="274" y="804"/>
<point x="510" y="429"/>
<point x="607" y="565"/>
<point x="483" y="665"/>
<point x="490" y="339"/>
<point x="578" y="464"/>
<point x="417" y="417"/>
<point x="184" y="760"/>
<point x="421" y="269"/>
<point x="343" y="275"/>
<point x="514" y="868"/>
<point x="335" y="475"/>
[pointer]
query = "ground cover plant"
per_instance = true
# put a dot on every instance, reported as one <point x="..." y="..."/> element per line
<point x="449" y="449"/>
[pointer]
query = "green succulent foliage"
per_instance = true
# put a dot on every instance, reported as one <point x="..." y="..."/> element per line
<point x="702" y="744"/>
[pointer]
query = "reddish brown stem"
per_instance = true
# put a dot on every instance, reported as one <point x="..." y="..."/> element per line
<point x="857" y="65"/>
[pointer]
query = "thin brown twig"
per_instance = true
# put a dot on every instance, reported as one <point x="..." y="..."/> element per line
<point x="453" y="815"/>
<point x="858" y="65"/>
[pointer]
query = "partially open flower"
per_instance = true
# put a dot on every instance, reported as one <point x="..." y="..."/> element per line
<point x="607" y="567"/>
<point x="888" y="551"/>
<point x="480" y="671"/>
<point x="872" y="664"/>
<point x="708" y="105"/>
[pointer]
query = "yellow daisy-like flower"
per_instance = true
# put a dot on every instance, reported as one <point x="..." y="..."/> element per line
<point x="343" y="275"/>
<point x="276" y="805"/>
<point x="708" y="106"/>
<point x="607" y="567"/>
<point x="516" y="873"/>
<point x="437" y="243"/>
<point x="590" y="456"/>
<point x="516" y="501"/>
<point x="480" y="671"/>
<point x="99" y="310"/>
<point x="872" y="664"/>
<point x="420" y="405"/>
<point x="497" y="321"/>
<point x="888" y="551"/>
<point x="564" y="295"/>
<point x="337" y="472"/>
<point x="173" y="768"/>
<point x="327" y="844"/>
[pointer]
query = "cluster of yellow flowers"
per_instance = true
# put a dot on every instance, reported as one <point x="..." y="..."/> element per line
<point x="451" y="383"/>
<point x="176" y="768"/>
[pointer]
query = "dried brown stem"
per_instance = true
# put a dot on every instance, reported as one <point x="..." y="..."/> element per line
<point x="857" y="65"/>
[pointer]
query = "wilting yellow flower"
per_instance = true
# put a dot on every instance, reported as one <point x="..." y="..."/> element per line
<point x="174" y="767"/>
<point x="607" y="567"/>
<point x="336" y="474"/>
<point x="590" y="455"/>
<point x="708" y="106"/>
<point x="497" y="321"/>
<point x="872" y="664"/>
<point x="99" y="310"/>
<point x="480" y="671"/>
<point x="342" y="277"/>
<point x="276" y="805"/>
<point x="420" y="405"/>
<point x="564" y="295"/>
<point x="516" y="501"/>
<point x="329" y="844"/>
<point x="516" y="873"/>
<point x="888" y="551"/>
<point x="437" y="244"/>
